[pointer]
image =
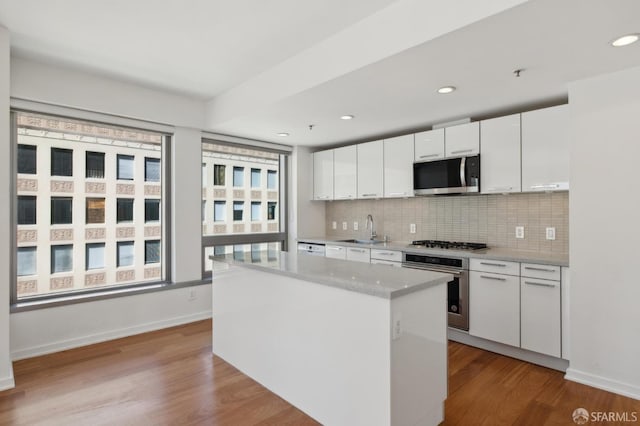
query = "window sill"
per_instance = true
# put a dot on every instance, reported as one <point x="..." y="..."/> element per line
<point x="70" y="299"/>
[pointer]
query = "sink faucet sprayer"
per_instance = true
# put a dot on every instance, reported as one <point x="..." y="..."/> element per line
<point x="373" y="231"/>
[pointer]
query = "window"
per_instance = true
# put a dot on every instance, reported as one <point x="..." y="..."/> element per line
<point x="95" y="210"/>
<point x="255" y="210"/>
<point x="95" y="165"/>
<point x="151" y="169"/>
<point x="151" y="252"/>
<point x="219" y="250"/>
<point x="125" y="253"/>
<point x="219" y="211"/>
<point x="124" y="210"/>
<point x="61" y="258"/>
<point x="61" y="162"/>
<point x="238" y="176"/>
<point x="95" y="256"/>
<point x="27" y="159"/>
<point x="238" y="208"/>
<point x="219" y="171"/>
<point x="255" y="178"/>
<point x="151" y="210"/>
<point x="125" y="167"/>
<point x="26" y="210"/>
<point x="272" y="179"/>
<point x="26" y="261"/>
<point x="271" y="210"/>
<point x="61" y="210"/>
<point x="204" y="175"/>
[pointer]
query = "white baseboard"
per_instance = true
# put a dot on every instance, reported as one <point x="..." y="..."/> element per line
<point x="625" y="389"/>
<point x="7" y="382"/>
<point x="106" y="335"/>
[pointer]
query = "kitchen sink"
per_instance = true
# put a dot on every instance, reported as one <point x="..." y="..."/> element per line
<point x="361" y="241"/>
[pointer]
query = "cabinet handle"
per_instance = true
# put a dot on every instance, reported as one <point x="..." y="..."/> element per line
<point x="357" y="250"/>
<point x="461" y="151"/>
<point x="369" y="195"/>
<point x="548" y="186"/>
<point x="531" y="268"/>
<point x="386" y="253"/>
<point x="429" y="156"/>
<point x="503" y="188"/>
<point x="502" y="265"/>
<point x="492" y="278"/>
<point x="539" y="284"/>
<point x="344" y="197"/>
<point x="324" y="197"/>
<point x="398" y="193"/>
<point x="335" y="248"/>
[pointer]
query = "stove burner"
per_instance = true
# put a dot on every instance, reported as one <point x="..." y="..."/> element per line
<point x="450" y="245"/>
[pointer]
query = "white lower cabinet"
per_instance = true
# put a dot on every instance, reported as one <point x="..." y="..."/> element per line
<point x="357" y="254"/>
<point x="565" y="291"/>
<point x="494" y="307"/>
<point x="335" y="252"/>
<point x="540" y="315"/>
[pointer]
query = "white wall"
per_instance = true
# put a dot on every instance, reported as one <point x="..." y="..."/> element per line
<point x="6" y="372"/>
<point x="604" y="210"/>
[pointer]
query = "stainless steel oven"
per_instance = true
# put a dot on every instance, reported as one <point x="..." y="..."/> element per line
<point x="457" y="288"/>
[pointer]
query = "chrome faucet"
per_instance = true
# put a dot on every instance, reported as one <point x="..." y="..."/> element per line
<point x="373" y="234"/>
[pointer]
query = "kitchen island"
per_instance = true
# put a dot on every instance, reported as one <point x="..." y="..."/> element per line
<point x="348" y="343"/>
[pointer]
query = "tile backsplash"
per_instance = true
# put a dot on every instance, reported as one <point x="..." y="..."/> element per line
<point x="489" y="219"/>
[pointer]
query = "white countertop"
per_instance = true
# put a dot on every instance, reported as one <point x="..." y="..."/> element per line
<point x="375" y="280"/>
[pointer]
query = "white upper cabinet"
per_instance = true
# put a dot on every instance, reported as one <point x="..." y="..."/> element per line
<point x="370" y="169"/>
<point x="398" y="166"/>
<point x="345" y="175"/>
<point x="429" y="145"/>
<point x="545" y="149"/>
<point x="323" y="175"/>
<point x="500" y="155"/>
<point x="462" y="140"/>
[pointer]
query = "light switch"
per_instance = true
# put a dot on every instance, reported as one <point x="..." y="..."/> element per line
<point x="519" y="231"/>
<point x="412" y="228"/>
<point x="355" y="226"/>
<point x="344" y="226"/>
<point x="551" y="233"/>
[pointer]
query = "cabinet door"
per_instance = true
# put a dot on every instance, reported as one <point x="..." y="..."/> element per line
<point x="565" y="290"/>
<point x="540" y="307"/>
<point x="370" y="169"/>
<point x="429" y="145"/>
<point x="462" y="140"/>
<point x="545" y="149"/>
<point x="358" y="254"/>
<point x="398" y="166"/>
<point x="494" y="307"/>
<point x="344" y="166"/>
<point x="323" y="175"/>
<point x="500" y="155"/>
<point x="335" y="252"/>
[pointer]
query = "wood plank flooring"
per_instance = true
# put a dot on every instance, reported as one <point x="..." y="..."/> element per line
<point x="170" y="377"/>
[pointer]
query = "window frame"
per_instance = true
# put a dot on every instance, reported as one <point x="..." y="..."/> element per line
<point x="52" y="264"/>
<point x="70" y="200"/>
<point x="87" y="209"/>
<point x="133" y="161"/>
<point x="23" y="198"/>
<point x="101" y="155"/>
<point x="133" y="210"/>
<point x="146" y="163"/>
<point x="60" y="151"/>
<point x="35" y="165"/>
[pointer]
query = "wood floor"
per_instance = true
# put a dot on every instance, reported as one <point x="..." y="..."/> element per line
<point x="170" y="377"/>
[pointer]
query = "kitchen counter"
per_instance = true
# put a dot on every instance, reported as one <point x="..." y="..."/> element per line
<point x="559" y="259"/>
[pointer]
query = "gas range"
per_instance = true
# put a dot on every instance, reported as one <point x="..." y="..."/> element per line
<point x="447" y="245"/>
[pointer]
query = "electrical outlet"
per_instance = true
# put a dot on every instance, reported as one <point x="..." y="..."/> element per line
<point x="355" y="226"/>
<point x="344" y="226"/>
<point x="551" y="233"/>
<point x="519" y="231"/>
<point x="396" y="327"/>
<point x="334" y="225"/>
<point x="412" y="228"/>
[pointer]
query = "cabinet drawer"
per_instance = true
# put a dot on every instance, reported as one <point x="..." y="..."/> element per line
<point x="335" y="252"/>
<point x="359" y="254"/>
<point x="394" y="256"/>
<point x="545" y="272"/>
<point x="495" y="266"/>
<point x="386" y="262"/>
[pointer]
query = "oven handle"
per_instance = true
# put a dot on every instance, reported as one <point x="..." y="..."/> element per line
<point x="443" y="270"/>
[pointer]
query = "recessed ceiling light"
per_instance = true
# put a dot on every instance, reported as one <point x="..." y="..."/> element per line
<point x="346" y="117"/>
<point x="625" y="40"/>
<point x="446" y="89"/>
<point x="283" y="134"/>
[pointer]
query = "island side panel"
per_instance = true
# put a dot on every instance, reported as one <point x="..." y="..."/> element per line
<point x="419" y="357"/>
<point x="323" y="349"/>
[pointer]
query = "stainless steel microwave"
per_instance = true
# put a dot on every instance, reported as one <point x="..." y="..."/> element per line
<point x="449" y="176"/>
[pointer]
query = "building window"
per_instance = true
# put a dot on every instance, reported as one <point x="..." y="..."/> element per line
<point x="238" y="208"/>
<point x="124" y="210"/>
<point x="272" y="179"/>
<point x="151" y="251"/>
<point x="61" y="258"/>
<point x="219" y="171"/>
<point x="255" y="210"/>
<point x="95" y="165"/>
<point x="204" y="206"/>
<point x="26" y="210"/>
<point x="95" y="210"/>
<point x="61" y="210"/>
<point x="255" y="178"/>
<point x="271" y="210"/>
<point x="125" y="167"/>
<point x="219" y="211"/>
<point x="27" y="159"/>
<point x="238" y="176"/>
<point x="26" y="261"/>
<point x="61" y="162"/>
<point x="95" y="256"/>
<point x="151" y="169"/>
<point x="151" y="210"/>
<point x="204" y="175"/>
<point x="125" y="253"/>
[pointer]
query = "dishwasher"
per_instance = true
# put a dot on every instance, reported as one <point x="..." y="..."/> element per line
<point x="311" y="249"/>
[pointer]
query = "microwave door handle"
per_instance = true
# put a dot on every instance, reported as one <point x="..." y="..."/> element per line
<point x="463" y="180"/>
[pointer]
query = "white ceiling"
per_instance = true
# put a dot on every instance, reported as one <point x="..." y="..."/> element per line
<point x="278" y="66"/>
